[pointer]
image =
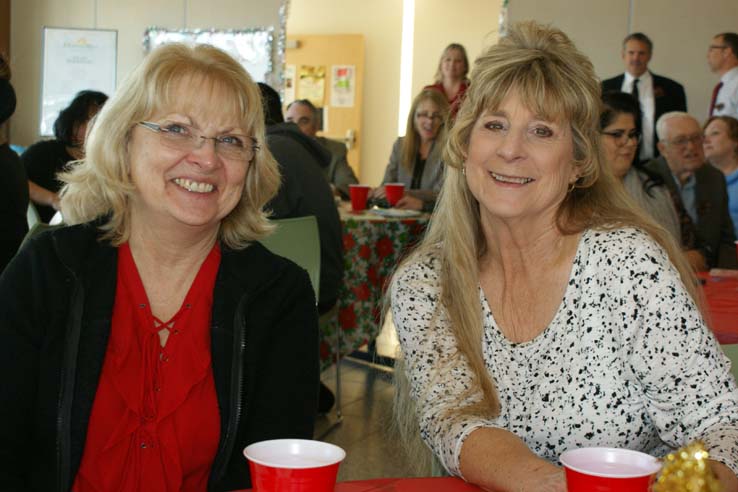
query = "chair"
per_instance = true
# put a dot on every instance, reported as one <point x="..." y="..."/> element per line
<point x="731" y="350"/>
<point x="298" y="240"/>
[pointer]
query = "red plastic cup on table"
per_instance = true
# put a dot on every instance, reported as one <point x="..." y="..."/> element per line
<point x="394" y="192"/>
<point x="293" y="465"/>
<point x="358" y="194"/>
<point x="608" y="470"/>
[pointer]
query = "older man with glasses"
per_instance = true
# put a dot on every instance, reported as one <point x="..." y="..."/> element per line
<point x="699" y="187"/>
<point x="722" y="57"/>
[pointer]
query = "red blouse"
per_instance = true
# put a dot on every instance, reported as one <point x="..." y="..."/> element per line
<point x="457" y="99"/>
<point x="155" y="423"/>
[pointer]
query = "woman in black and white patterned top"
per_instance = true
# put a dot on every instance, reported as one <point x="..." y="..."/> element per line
<point x="543" y="311"/>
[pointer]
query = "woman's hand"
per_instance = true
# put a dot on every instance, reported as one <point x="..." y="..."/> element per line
<point x="496" y="460"/>
<point x="410" y="203"/>
<point x="377" y="193"/>
<point x="725" y="476"/>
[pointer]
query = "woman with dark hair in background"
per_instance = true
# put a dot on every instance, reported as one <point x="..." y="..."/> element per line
<point x="451" y="73"/>
<point x="13" y="191"/>
<point x="620" y="133"/>
<point x="45" y="159"/>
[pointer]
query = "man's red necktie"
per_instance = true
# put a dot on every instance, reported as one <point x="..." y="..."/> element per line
<point x="714" y="96"/>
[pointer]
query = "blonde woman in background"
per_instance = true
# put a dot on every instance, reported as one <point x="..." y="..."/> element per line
<point x="416" y="159"/>
<point x="543" y="311"/>
<point x="451" y="76"/>
<point x="146" y="345"/>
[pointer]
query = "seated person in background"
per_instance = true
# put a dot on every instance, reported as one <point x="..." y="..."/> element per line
<point x="721" y="150"/>
<point x="620" y="134"/>
<point x="304" y="192"/>
<point x="416" y="159"/>
<point x="700" y="187"/>
<point x="14" y="187"/>
<point x="542" y="311"/>
<point x="45" y="159"/>
<point x="338" y="172"/>
<point x="144" y="347"/>
<point x="451" y="73"/>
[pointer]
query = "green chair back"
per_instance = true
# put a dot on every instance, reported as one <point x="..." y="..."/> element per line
<point x="32" y="215"/>
<point x="297" y="239"/>
<point x="731" y="350"/>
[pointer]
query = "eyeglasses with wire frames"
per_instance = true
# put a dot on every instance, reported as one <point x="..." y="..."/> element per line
<point x="682" y="141"/>
<point x="622" y="137"/>
<point x="185" y="138"/>
<point x="428" y="116"/>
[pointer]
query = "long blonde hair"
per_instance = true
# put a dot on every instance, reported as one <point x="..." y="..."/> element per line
<point x="100" y="185"/>
<point x="557" y="82"/>
<point x="411" y="142"/>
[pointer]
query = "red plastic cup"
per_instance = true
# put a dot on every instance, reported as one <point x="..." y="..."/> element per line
<point x="394" y="191"/>
<point x="608" y="470"/>
<point x="358" y="194"/>
<point x="293" y="465"/>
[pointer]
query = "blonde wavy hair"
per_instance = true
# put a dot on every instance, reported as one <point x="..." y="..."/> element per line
<point x="556" y="81"/>
<point x="411" y="142"/>
<point x="100" y="186"/>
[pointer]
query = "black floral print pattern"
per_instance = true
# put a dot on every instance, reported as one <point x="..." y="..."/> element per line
<point x="627" y="361"/>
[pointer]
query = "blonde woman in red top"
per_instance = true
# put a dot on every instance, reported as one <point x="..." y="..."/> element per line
<point x="146" y="345"/>
<point x="451" y="79"/>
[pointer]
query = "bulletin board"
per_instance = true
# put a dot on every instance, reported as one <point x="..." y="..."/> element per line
<point x="75" y="60"/>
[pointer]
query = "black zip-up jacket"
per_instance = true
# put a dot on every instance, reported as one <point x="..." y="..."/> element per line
<point x="56" y="304"/>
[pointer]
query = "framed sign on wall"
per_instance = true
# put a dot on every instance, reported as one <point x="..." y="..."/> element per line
<point x="74" y="60"/>
<point x="250" y="47"/>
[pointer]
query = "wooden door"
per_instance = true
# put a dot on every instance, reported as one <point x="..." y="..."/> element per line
<point x="324" y="53"/>
<point x="5" y="28"/>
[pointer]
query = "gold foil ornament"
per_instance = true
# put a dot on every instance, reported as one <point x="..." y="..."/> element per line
<point x="687" y="470"/>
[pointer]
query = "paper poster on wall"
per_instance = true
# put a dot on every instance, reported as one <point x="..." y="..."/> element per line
<point x="343" y="85"/>
<point x="289" y="83"/>
<point x="74" y="60"/>
<point x="311" y="84"/>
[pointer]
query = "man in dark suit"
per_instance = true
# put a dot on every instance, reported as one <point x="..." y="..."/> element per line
<point x="656" y="94"/>
<point x="699" y="186"/>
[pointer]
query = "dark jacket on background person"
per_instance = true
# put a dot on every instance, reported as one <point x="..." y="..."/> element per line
<point x="668" y="95"/>
<point x="43" y="161"/>
<point x="305" y="191"/>
<point x="55" y="320"/>
<point x="13" y="204"/>
<point x="714" y="227"/>
<point x="338" y="172"/>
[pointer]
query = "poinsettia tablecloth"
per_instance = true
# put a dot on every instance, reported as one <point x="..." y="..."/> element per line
<point x="373" y="246"/>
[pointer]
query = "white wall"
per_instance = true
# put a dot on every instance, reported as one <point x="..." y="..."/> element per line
<point x="437" y="23"/>
<point x="681" y="30"/>
<point x="130" y="18"/>
<point x="380" y="22"/>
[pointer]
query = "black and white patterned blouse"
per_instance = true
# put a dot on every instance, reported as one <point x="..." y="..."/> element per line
<point x="627" y="361"/>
